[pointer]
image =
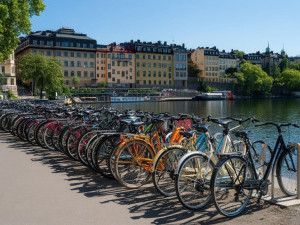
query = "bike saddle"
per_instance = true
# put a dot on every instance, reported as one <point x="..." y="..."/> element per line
<point x="201" y="128"/>
<point x="187" y="134"/>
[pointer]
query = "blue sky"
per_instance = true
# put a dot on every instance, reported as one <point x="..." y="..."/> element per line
<point x="247" y="25"/>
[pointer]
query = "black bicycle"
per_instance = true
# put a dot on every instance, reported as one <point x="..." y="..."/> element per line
<point x="235" y="176"/>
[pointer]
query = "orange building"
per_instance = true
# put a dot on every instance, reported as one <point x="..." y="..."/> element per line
<point x="115" y="65"/>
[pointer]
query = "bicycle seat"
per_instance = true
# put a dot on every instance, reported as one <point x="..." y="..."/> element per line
<point x="137" y="124"/>
<point x="225" y="122"/>
<point x="241" y="133"/>
<point x="187" y="134"/>
<point x="202" y="128"/>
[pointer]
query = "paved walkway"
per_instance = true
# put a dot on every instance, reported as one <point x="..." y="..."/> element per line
<point x="42" y="187"/>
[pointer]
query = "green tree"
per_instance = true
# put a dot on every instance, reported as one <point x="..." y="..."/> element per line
<point x="253" y="80"/>
<point x="285" y="64"/>
<point x="15" y="20"/>
<point x="103" y="84"/>
<point x="44" y="70"/>
<point x="291" y="79"/>
<point x="193" y="70"/>
<point x="230" y="71"/>
<point x="239" y="54"/>
<point x="75" y="81"/>
<point x="275" y="71"/>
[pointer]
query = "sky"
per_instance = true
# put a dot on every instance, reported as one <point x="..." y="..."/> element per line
<point x="247" y="25"/>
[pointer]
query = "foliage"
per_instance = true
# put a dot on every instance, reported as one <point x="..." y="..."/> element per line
<point x="253" y="80"/>
<point x="142" y="91"/>
<point x="285" y="64"/>
<point x="14" y="21"/>
<point x="239" y="54"/>
<point x="11" y="95"/>
<point x="291" y="79"/>
<point x="210" y="89"/>
<point x="103" y="84"/>
<point x="230" y="71"/>
<point x="44" y="70"/>
<point x="193" y="70"/>
<point x="275" y="71"/>
<point x="75" y="81"/>
<point x="201" y="85"/>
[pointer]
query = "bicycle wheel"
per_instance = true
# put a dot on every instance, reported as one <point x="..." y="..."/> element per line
<point x="165" y="166"/>
<point x="261" y="153"/>
<point x="133" y="163"/>
<point x="103" y="150"/>
<point x="192" y="183"/>
<point x="82" y="146"/>
<point x="227" y="185"/>
<point x="287" y="171"/>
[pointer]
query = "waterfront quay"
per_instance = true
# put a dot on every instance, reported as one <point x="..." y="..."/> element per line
<point x="39" y="186"/>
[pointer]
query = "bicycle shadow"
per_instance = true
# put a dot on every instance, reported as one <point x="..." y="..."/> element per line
<point x="145" y="202"/>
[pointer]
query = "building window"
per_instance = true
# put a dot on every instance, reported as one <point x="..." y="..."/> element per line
<point x="149" y="82"/>
<point x="57" y="43"/>
<point x="92" y="64"/>
<point x="149" y="65"/>
<point x="42" y="52"/>
<point x="109" y="56"/>
<point x="50" y="43"/>
<point x="144" y="64"/>
<point x="85" y="73"/>
<point x="138" y="73"/>
<point x="72" y="73"/>
<point x="108" y="66"/>
<point x="78" y="64"/>
<point x="72" y="63"/>
<point x="66" y="73"/>
<point x="92" y="74"/>
<point x="149" y="73"/>
<point x="78" y="54"/>
<point x="65" y="63"/>
<point x="34" y="42"/>
<point x="41" y="42"/>
<point x="109" y="74"/>
<point x="78" y="73"/>
<point x="48" y="53"/>
<point x="78" y="45"/>
<point x="113" y="71"/>
<point x="137" y="64"/>
<point x="67" y="82"/>
<point x="129" y="56"/>
<point x="65" y="44"/>
<point x="144" y="73"/>
<point x="154" y="73"/>
<point x="92" y="55"/>
<point x="130" y="69"/>
<point x="159" y="74"/>
<point x="71" y="44"/>
<point x="72" y="54"/>
<point x="85" y="55"/>
<point x="85" y="64"/>
<point x="144" y="82"/>
<point x="84" y="45"/>
<point x="66" y="54"/>
<point x="137" y="56"/>
<point x="149" y="56"/>
<point x="123" y="73"/>
<point x="91" y="46"/>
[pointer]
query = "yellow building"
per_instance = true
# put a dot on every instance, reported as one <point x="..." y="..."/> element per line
<point x="8" y="75"/>
<point x="153" y="64"/>
<point x="75" y="51"/>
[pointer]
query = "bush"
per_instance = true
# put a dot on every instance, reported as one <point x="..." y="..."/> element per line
<point x="11" y="95"/>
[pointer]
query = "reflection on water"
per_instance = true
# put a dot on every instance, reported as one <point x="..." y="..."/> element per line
<point x="277" y="110"/>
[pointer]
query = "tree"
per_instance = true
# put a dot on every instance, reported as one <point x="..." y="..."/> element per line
<point x="14" y="21"/>
<point x="44" y="70"/>
<point x="275" y="71"/>
<point x="193" y="70"/>
<point x="285" y="64"/>
<point x="239" y="54"/>
<point x="75" y="81"/>
<point x="253" y="80"/>
<point x="291" y="79"/>
<point x="230" y="71"/>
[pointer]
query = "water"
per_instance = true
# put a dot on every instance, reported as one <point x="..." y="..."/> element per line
<point x="275" y="110"/>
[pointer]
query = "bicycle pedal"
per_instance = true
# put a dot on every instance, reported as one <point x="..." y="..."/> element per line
<point x="261" y="202"/>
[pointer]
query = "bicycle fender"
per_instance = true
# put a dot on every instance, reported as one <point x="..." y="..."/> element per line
<point x="182" y="159"/>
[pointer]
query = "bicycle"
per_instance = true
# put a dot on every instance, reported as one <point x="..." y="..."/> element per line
<point x="232" y="189"/>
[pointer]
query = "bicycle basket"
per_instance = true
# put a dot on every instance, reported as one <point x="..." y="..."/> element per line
<point x="162" y="126"/>
<point x="185" y="123"/>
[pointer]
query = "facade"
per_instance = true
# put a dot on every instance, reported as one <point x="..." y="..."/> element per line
<point x="153" y="63"/>
<point x="8" y="75"/>
<point x="227" y="60"/>
<point x="255" y="58"/>
<point x="180" y="66"/>
<point x="115" y="65"/>
<point x="75" y="51"/>
<point x="207" y="60"/>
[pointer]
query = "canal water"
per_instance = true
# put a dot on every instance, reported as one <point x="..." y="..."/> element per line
<point x="275" y="110"/>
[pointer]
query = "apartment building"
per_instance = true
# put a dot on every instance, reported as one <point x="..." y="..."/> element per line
<point x="227" y="60"/>
<point x="153" y="63"/>
<point x="115" y="65"/>
<point x="207" y="60"/>
<point x="75" y="51"/>
<point x="180" y="66"/>
<point x="8" y="75"/>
